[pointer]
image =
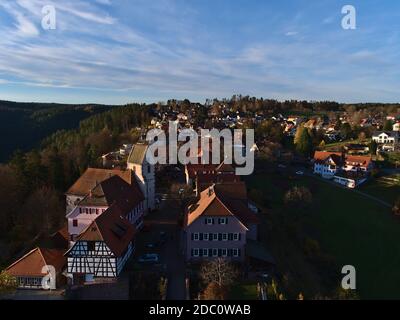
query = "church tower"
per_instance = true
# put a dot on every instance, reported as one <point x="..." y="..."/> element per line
<point x="144" y="173"/>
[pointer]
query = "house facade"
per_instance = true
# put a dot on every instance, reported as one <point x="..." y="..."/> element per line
<point x="345" y="169"/>
<point x="113" y="190"/>
<point x="102" y="249"/>
<point x="40" y="268"/>
<point x="386" y="140"/>
<point x="218" y="226"/>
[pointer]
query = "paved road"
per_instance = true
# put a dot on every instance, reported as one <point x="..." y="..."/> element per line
<point x="165" y="220"/>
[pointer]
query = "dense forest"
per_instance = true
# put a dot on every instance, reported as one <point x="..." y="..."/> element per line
<point x="32" y="184"/>
<point x="24" y="125"/>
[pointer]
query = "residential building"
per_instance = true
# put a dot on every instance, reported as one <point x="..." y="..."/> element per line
<point x="218" y="225"/>
<point x="386" y="140"/>
<point x="113" y="190"/>
<point x="88" y="180"/>
<point x="102" y="249"/>
<point x="346" y="169"/>
<point x="35" y="269"/>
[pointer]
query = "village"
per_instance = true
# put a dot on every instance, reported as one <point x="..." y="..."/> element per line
<point x="166" y="221"/>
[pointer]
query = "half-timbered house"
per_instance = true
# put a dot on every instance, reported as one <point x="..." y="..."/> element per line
<point x="102" y="249"/>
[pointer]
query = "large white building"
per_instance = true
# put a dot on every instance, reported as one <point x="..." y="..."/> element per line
<point x="386" y="140"/>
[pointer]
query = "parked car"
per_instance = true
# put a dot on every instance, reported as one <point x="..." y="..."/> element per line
<point x="149" y="257"/>
<point x="299" y="173"/>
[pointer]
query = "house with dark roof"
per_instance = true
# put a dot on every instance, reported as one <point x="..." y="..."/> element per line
<point x="88" y="180"/>
<point x="102" y="249"/>
<point x="201" y="176"/>
<point x="112" y="191"/>
<point x="218" y="225"/>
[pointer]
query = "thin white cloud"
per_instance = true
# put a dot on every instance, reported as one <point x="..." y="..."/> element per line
<point x="291" y="33"/>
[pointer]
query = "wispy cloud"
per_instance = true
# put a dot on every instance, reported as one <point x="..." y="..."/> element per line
<point x="169" y="49"/>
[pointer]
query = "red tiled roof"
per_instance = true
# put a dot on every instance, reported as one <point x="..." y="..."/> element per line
<point x="93" y="176"/>
<point x="115" y="190"/>
<point x="362" y="161"/>
<point x="322" y="156"/>
<point x="110" y="227"/>
<point x="215" y="202"/>
<point x="32" y="263"/>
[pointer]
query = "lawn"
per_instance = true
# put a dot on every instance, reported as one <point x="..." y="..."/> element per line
<point x="353" y="229"/>
<point x="386" y="188"/>
<point x="244" y="291"/>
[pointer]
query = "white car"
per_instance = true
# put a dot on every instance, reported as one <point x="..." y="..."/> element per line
<point x="299" y="173"/>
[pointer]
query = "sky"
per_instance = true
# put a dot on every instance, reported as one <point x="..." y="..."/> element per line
<point x="121" y="51"/>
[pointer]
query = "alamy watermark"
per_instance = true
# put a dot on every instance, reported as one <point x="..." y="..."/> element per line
<point x="208" y="142"/>
<point x="349" y="280"/>
<point x="349" y="21"/>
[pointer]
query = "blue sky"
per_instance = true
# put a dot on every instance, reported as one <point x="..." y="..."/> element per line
<point x="119" y="51"/>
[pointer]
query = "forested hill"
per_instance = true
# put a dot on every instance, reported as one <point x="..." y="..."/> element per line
<point x="23" y="125"/>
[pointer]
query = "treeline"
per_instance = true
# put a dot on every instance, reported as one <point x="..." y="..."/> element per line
<point x="32" y="184"/>
<point x="24" y="125"/>
<point x="250" y="105"/>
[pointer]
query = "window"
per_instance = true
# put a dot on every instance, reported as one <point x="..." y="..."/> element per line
<point x="224" y="252"/>
<point x="209" y="220"/>
<point x="75" y="223"/>
<point x="205" y="236"/>
<point x="222" y="220"/>
<point x="91" y="246"/>
<point x="224" y="236"/>
<point x="236" y="252"/>
<point x="215" y="236"/>
<point x="205" y="252"/>
<point x="236" y="236"/>
<point x="195" y="252"/>
<point x="215" y="252"/>
<point x="196" y="236"/>
<point x="148" y="169"/>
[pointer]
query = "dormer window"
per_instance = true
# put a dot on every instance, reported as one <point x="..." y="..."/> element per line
<point x="209" y="221"/>
<point x="223" y="220"/>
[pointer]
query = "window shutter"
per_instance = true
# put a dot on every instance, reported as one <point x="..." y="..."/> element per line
<point x="192" y="235"/>
<point x="229" y="252"/>
<point x="210" y="236"/>
<point x="201" y="236"/>
<point x="238" y="252"/>
<point x="226" y="220"/>
<point x="219" y="252"/>
<point x="192" y="252"/>
<point x="212" y="220"/>
<point x="219" y="236"/>
<point x="230" y="236"/>
<point x="240" y="236"/>
<point x="210" y="252"/>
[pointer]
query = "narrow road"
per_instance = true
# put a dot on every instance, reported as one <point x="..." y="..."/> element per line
<point x="166" y="220"/>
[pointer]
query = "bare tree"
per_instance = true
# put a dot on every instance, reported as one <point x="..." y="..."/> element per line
<point x="219" y="271"/>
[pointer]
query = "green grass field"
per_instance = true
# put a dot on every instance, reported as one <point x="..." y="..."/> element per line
<point x="244" y="291"/>
<point x="387" y="188"/>
<point x="354" y="229"/>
